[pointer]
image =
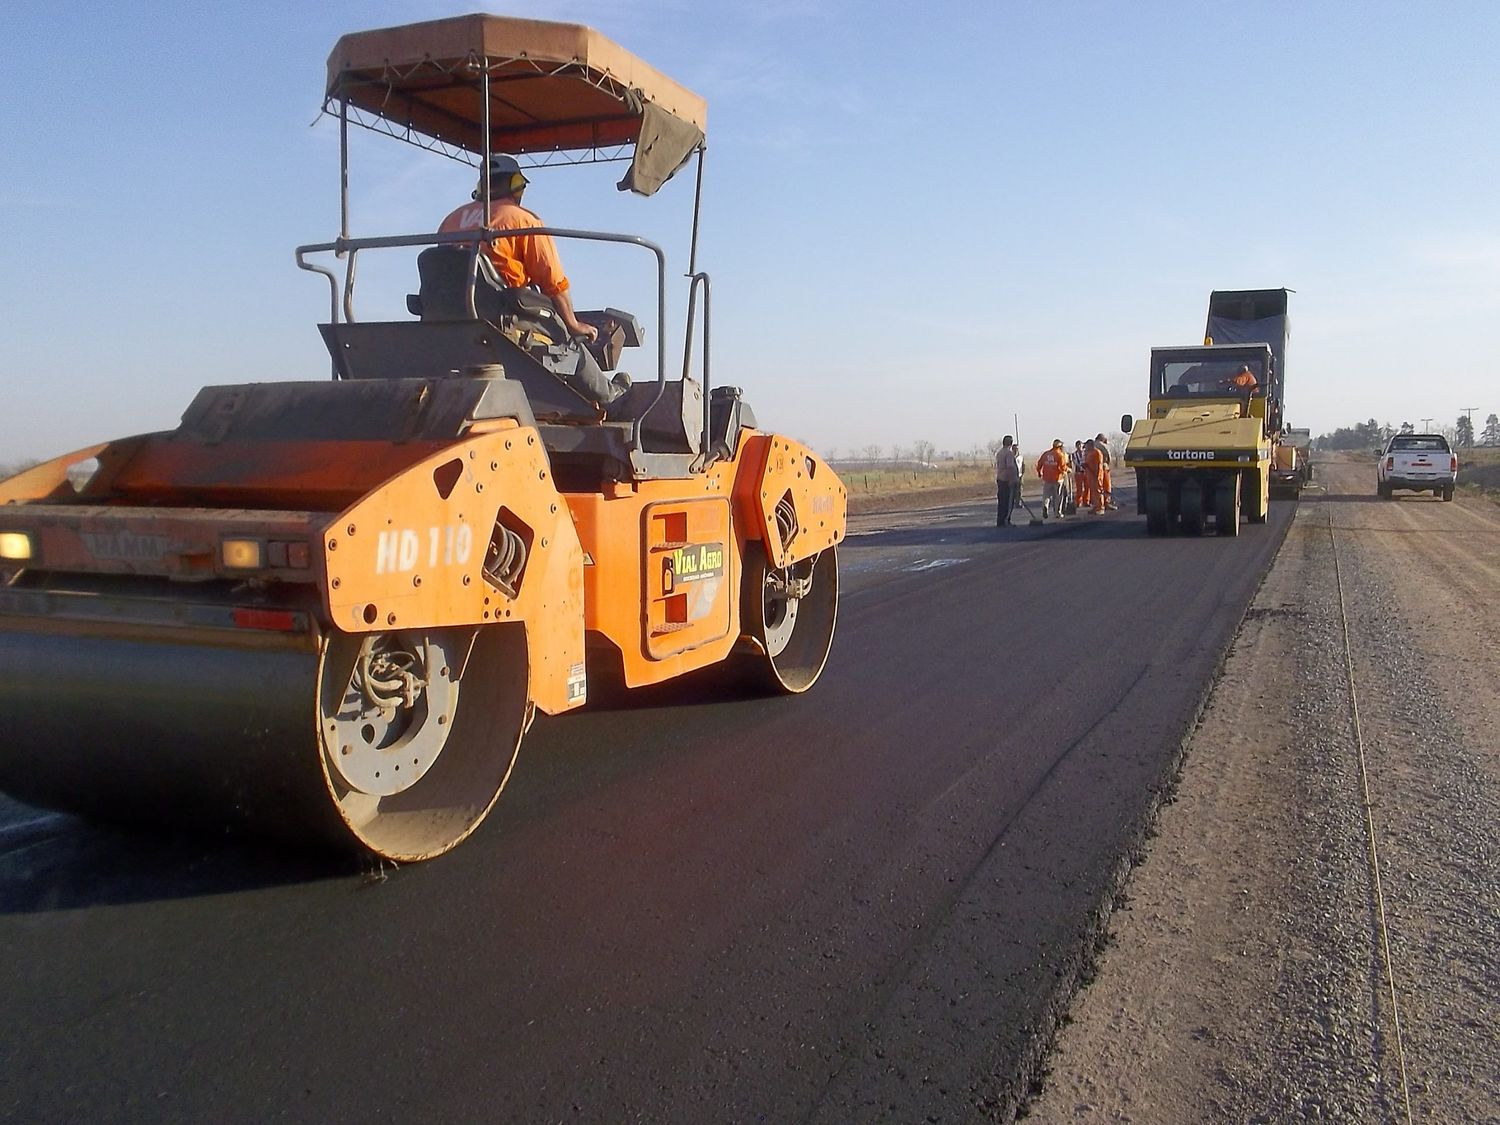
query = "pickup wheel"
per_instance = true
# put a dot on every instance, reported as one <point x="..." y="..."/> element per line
<point x="1383" y="491"/>
<point x="1448" y="493"/>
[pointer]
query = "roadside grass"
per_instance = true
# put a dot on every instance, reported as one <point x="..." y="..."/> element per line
<point x="890" y="481"/>
<point x="1479" y="471"/>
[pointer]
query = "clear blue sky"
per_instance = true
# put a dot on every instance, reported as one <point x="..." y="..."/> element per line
<point x="920" y="219"/>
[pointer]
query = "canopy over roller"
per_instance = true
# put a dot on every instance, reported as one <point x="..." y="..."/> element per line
<point x="553" y="88"/>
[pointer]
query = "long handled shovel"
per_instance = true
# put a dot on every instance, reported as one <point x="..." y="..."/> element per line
<point x="1035" y="520"/>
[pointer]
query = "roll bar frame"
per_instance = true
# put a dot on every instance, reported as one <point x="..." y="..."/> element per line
<point x="346" y="247"/>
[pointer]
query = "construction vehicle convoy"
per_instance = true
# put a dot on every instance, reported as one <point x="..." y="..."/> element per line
<point x="1208" y="442"/>
<point x="328" y="611"/>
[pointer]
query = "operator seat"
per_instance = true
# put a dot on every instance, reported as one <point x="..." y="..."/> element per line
<point x="443" y="277"/>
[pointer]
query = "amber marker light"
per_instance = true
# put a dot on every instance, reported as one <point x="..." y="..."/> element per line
<point x="15" y="546"/>
<point x="242" y="554"/>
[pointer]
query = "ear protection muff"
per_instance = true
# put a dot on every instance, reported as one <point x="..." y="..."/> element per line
<point x="502" y="186"/>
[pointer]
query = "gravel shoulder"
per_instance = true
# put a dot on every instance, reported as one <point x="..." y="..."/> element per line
<point x="1244" y="978"/>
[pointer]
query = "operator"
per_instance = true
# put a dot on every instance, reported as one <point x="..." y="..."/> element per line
<point x="522" y="261"/>
<point x="1243" y="380"/>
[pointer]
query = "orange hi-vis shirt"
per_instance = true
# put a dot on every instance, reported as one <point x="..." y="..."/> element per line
<point x="1052" y="465"/>
<point x="527" y="260"/>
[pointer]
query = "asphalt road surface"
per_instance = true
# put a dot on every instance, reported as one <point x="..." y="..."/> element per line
<point x="867" y="903"/>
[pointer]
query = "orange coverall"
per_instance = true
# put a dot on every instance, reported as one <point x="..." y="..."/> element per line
<point x="1082" y="493"/>
<point x="1098" y="476"/>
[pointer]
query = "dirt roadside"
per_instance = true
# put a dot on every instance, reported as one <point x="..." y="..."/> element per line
<point x="1244" y="978"/>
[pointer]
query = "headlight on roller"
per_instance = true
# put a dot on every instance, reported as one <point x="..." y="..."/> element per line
<point x="242" y="554"/>
<point x="15" y="546"/>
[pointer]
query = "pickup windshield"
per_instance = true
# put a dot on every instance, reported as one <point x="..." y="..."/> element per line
<point x="1419" y="445"/>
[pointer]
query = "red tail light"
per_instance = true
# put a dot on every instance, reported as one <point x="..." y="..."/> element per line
<point x="275" y="619"/>
<point x="1453" y="463"/>
<point x="1390" y="462"/>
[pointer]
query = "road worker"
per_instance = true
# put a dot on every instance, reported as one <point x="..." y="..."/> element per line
<point x="1106" y="485"/>
<point x="1007" y="480"/>
<point x="1093" y="472"/>
<point x="1052" y="467"/>
<point x="1082" y="497"/>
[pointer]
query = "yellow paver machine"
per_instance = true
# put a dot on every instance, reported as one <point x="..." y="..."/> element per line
<point x="327" y="611"/>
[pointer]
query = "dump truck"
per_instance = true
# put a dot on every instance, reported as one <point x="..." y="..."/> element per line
<point x="327" y="611"/>
<point x="1291" y="468"/>
<point x="1207" y="444"/>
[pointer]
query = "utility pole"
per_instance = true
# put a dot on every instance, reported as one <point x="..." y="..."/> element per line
<point x="1427" y="425"/>
<point x="1469" y="411"/>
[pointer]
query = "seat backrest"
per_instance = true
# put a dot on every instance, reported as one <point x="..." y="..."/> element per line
<point x="443" y="273"/>
<point x="444" y="280"/>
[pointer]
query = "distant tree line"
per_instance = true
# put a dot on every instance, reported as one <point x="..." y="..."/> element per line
<point x="1367" y="435"/>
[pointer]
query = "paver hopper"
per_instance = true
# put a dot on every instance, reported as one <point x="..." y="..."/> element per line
<point x="328" y="611"/>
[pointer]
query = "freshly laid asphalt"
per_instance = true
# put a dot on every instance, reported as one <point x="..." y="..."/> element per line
<point x="867" y="903"/>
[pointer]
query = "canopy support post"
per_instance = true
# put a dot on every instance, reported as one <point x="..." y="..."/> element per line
<point x="484" y="156"/>
<point x="343" y="167"/>
<point x="697" y="205"/>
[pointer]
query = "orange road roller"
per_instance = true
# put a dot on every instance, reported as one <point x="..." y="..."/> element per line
<point x="326" y="612"/>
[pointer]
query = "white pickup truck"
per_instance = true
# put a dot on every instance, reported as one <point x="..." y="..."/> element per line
<point x="1417" y="463"/>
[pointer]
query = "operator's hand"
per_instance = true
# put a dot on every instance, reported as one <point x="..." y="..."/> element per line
<point x="584" y="331"/>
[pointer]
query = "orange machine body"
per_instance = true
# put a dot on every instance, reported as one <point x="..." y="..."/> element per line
<point x="664" y="559"/>
<point x="399" y="537"/>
